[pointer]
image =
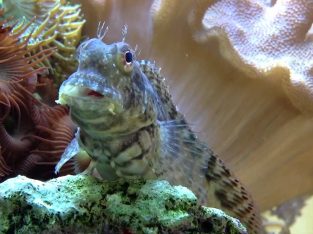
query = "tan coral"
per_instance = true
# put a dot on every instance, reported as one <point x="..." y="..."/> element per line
<point x="254" y="39"/>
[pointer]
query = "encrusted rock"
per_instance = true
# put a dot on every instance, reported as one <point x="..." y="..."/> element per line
<point x="81" y="204"/>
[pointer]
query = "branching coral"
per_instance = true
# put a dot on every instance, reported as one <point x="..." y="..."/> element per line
<point x="57" y="24"/>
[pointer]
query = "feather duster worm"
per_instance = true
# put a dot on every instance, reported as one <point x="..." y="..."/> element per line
<point x="18" y="79"/>
<point x="34" y="150"/>
<point x="17" y="75"/>
<point x="25" y="139"/>
<point x="56" y="24"/>
<point x="32" y="134"/>
<point x="4" y="168"/>
<point x="54" y="131"/>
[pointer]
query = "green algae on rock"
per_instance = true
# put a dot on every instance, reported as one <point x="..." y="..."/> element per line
<point x="81" y="204"/>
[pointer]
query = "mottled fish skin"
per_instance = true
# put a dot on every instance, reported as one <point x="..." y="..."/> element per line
<point x="130" y="128"/>
<point x="114" y="105"/>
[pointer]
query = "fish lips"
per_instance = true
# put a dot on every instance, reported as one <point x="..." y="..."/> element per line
<point x="84" y="98"/>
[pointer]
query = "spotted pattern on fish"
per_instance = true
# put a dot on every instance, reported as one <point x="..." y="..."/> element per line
<point x="129" y="127"/>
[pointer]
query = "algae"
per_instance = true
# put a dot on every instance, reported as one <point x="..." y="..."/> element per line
<point x="82" y="204"/>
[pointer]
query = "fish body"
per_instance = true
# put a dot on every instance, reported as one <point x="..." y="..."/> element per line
<point x="113" y="104"/>
<point x="129" y="127"/>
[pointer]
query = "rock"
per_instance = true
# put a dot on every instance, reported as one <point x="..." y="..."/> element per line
<point x="81" y="204"/>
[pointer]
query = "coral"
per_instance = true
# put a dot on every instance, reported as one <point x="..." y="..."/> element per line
<point x="57" y="24"/>
<point x="81" y="204"/>
<point x="257" y="42"/>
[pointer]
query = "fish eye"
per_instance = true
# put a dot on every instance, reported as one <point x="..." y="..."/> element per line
<point x="128" y="56"/>
<point x="128" y="59"/>
<point x="125" y="58"/>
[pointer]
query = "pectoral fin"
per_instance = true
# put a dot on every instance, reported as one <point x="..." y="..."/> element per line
<point x="71" y="151"/>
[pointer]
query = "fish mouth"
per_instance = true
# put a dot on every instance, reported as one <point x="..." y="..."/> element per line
<point x="84" y="98"/>
<point x="93" y="93"/>
<point x="70" y="93"/>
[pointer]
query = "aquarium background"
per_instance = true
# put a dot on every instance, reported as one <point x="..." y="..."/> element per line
<point x="240" y="71"/>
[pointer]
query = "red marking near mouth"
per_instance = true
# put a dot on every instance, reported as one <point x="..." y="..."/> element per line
<point x="94" y="93"/>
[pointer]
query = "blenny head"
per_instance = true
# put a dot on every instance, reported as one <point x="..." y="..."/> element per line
<point x="108" y="88"/>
